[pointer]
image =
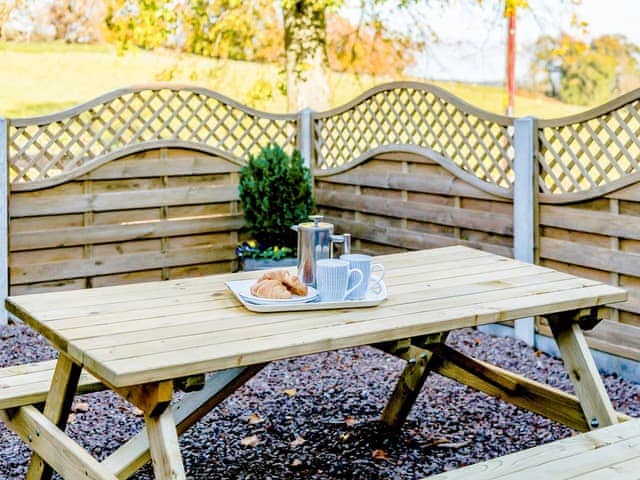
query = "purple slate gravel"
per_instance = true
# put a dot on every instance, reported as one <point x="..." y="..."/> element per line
<point x="335" y="410"/>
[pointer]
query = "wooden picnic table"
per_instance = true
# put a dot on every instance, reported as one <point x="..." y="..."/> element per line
<point x="141" y="340"/>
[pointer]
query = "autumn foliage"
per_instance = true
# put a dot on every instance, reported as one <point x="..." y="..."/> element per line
<point x="367" y="48"/>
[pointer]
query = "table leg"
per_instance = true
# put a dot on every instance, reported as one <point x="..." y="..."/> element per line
<point x="410" y="383"/>
<point x="163" y="444"/>
<point x="154" y="400"/>
<point x="582" y="370"/>
<point x="497" y="382"/>
<point x="135" y="453"/>
<point x="63" y="388"/>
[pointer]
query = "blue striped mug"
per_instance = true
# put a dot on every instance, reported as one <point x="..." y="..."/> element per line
<point x="333" y="278"/>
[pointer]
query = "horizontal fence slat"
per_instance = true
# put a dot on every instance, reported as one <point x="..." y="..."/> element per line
<point x="630" y="193"/>
<point x="439" y="185"/>
<point x="611" y="337"/>
<point x="409" y="239"/>
<point x="60" y="204"/>
<point x="143" y="166"/>
<point x="444" y="215"/>
<point x="35" y="239"/>
<point x="591" y="221"/>
<point x="632" y="305"/>
<point x="28" y="273"/>
<point x="589" y="256"/>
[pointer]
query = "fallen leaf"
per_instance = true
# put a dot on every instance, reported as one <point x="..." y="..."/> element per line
<point x="250" y="441"/>
<point x="80" y="407"/>
<point x="255" y="419"/>
<point x="344" y="436"/>
<point x="350" y="421"/>
<point x="72" y="418"/>
<point x="379" y="454"/>
<point x="296" y="462"/>
<point x="291" y="392"/>
<point x="298" y="441"/>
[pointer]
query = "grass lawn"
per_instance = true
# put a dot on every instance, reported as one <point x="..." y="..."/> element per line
<point x="41" y="78"/>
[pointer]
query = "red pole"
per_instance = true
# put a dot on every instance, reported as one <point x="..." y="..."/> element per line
<point x="511" y="62"/>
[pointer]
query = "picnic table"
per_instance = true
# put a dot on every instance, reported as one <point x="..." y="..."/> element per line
<point x="142" y="340"/>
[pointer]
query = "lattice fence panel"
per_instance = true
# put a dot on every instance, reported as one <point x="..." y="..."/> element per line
<point x="584" y="155"/>
<point x="45" y="150"/>
<point x="410" y="116"/>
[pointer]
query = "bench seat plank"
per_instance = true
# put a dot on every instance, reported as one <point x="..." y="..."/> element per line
<point x="29" y="384"/>
<point x="609" y="453"/>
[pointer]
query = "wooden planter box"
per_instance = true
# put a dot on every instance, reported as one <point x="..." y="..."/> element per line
<point x="250" y="264"/>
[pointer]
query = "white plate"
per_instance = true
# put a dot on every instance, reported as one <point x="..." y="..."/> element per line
<point x="243" y="289"/>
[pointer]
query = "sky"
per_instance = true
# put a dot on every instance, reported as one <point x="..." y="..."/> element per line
<point x="471" y="44"/>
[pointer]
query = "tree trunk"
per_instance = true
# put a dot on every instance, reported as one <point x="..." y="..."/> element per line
<point x="306" y="56"/>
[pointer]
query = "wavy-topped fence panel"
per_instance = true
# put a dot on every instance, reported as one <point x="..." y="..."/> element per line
<point x="592" y="153"/>
<point x="48" y="150"/>
<point x="421" y="116"/>
<point x="589" y="209"/>
<point x="153" y="215"/>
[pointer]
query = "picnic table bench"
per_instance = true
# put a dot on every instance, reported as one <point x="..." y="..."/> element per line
<point x="142" y="340"/>
<point x="610" y="453"/>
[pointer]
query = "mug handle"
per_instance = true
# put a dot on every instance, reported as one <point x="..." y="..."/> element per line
<point x="359" y="272"/>
<point x="377" y="281"/>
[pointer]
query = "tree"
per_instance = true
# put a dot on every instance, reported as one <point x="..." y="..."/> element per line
<point x="233" y="29"/>
<point x="78" y="20"/>
<point x="305" y="52"/>
<point x="141" y="23"/>
<point x="367" y="48"/>
<point x="309" y="38"/>
<point x="626" y="54"/>
<point x="589" y="73"/>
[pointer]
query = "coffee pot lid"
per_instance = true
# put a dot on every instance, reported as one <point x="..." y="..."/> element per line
<point x="316" y="223"/>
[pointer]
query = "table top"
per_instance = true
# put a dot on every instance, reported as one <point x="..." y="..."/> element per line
<point x="133" y="334"/>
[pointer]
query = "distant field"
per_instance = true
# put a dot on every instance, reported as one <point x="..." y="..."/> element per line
<point x="41" y="78"/>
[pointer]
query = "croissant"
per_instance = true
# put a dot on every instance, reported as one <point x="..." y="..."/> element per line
<point x="270" y="289"/>
<point x="296" y="287"/>
<point x="292" y="282"/>
<point x="279" y="275"/>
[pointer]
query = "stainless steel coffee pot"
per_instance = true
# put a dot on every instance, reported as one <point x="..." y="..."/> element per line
<point x="316" y="241"/>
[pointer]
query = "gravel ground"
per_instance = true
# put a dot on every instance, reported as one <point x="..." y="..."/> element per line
<point x="316" y="417"/>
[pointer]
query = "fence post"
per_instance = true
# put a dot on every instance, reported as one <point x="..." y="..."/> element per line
<point x="305" y="136"/>
<point x="525" y="206"/>
<point x="4" y="217"/>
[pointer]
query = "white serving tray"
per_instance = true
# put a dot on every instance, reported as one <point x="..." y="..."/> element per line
<point x="371" y="299"/>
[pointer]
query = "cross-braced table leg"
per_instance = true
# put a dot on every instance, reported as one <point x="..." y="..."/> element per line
<point x="520" y="391"/>
<point x="158" y="440"/>
<point x="63" y="387"/>
<point x="411" y="380"/>
<point x="187" y="411"/>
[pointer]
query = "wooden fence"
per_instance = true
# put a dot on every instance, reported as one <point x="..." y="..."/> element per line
<point x="138" y="185"/>
<point x="141" y="184"/>
<point x="409" y="166"/>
